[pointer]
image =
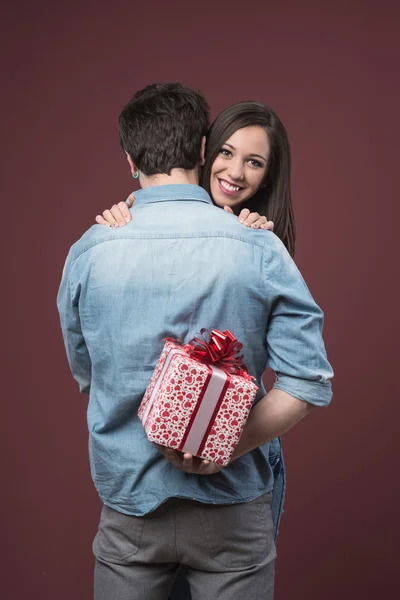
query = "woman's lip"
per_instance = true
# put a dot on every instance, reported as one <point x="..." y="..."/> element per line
<point x="221" y="187"/>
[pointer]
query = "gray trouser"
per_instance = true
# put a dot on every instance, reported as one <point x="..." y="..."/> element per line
<point x="228" y="550"/>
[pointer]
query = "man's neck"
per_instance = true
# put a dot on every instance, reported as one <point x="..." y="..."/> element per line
<point x="179" y="176"/>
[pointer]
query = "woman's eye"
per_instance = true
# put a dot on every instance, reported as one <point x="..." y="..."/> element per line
<point x="225" y="152"/>
<point x="255" y="162"/>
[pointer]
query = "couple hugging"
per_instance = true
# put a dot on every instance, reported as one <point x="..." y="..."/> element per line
<point x="168" y="266"/>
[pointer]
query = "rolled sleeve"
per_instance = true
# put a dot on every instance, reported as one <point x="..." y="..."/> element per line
<point x="318" y="393"/>
<point x="296" y="350"/>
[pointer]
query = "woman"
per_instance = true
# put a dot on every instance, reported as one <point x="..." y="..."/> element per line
<point x="263" y="186"/>
<point x="247" y="172"/>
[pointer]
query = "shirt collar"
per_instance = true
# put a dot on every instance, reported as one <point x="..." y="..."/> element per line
<point x="173" y="191"/>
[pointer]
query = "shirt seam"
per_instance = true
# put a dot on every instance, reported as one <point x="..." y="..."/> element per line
<point x="168" y="237"/>
<point x="172" y="198"/>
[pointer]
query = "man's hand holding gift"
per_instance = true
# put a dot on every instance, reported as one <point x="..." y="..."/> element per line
<point x="183" y="461"/>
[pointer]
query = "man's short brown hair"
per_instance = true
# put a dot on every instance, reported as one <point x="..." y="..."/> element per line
<point x="162" y="126"/>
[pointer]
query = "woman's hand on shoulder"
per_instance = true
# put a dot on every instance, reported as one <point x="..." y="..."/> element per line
<point x="118" y="215"/>
<point x="252" y="219"/>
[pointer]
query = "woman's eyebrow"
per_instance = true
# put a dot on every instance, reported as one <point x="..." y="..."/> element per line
<point x="258" y="155"/>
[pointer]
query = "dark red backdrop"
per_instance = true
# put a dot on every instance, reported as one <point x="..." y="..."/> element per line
<point x="329" y="72"/>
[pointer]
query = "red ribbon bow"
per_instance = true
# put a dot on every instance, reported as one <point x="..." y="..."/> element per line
<point x="219" y="348"/>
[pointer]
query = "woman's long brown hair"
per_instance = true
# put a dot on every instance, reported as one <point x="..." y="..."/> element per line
<point x="273" y="199"/>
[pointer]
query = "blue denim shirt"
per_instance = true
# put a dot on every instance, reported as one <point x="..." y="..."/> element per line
<point x="181" y="264"/>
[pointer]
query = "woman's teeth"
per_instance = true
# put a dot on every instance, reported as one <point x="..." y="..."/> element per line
<point x="228" y="186"/>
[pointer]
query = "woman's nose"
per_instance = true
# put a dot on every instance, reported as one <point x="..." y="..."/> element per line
<point x="235" y="170"/>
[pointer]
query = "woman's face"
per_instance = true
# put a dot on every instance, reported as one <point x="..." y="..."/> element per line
<point x="240" y="167"/>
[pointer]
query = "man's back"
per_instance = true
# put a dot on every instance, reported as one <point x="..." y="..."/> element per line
<point x="181" y="264"/>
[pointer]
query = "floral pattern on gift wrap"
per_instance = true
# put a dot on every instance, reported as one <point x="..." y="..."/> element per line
<point x="176" y="400"/>
<point x="167" y="347"/>
<point x="230" y="420"/>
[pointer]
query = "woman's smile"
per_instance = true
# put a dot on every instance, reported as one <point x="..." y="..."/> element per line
<point x="229" y="188"/>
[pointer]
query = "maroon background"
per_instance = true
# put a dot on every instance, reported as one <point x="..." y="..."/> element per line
<point x="329" y="73"/>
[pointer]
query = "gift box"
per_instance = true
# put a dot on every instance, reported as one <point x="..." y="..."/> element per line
<point x="199" y="397"/>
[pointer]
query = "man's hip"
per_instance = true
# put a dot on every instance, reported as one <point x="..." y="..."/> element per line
<point x="227" y="550"/>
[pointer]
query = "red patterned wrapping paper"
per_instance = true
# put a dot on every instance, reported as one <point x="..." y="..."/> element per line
<point x="195" y="407"/>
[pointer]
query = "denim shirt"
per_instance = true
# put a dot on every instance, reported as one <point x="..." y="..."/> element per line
<point x="179" y="265"/>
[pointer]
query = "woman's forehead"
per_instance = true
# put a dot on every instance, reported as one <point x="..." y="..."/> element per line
<point x="249" y="139"/>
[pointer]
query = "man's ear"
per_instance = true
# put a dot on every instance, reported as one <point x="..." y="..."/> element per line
<point x="203" y="151"/>
<point x="131" y="163"/>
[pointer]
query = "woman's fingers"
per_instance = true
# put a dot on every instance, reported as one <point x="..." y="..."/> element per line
<point x="228" y="209"/>
<point x="123" y="207"/>
<point x="254" y="220"/>
<point x="107" y="215"/>
<point x="118" y="216"/>
<point x="260" y="221"/>
<point x="268" y="225"/>
<point x="244" y="213"/>
<point x="251" y="219"/>
<point x="101" y="221"/>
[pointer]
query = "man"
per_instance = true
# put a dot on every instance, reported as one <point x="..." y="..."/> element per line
<point x="182" y="264"/>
